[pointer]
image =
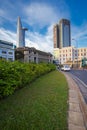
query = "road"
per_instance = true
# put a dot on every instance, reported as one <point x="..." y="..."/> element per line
<point x="80" y="77"/>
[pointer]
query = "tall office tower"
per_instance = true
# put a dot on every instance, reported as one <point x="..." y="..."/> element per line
<point x="20" y="34"/>
<point x="56" y="36"/>
<point x="62" y="34"/>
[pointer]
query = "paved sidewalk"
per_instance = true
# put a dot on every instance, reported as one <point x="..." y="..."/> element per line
<point x="75" y="115"/>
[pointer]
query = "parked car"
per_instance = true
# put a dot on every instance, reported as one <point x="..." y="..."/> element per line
<point x="66" y="68"/>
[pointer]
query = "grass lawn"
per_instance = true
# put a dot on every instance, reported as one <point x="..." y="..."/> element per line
<point x="39" y="106"/>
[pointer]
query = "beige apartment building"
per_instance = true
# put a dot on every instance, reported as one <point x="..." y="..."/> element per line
<point x="70" y="55"/>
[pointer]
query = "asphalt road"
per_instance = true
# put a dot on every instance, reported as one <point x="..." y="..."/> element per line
<point x="80" y="77"/>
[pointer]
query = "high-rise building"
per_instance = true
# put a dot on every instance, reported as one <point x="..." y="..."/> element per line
<point x="56" y="36"/>
<point x="20" y="34"/>
<point x="62" y="34"/>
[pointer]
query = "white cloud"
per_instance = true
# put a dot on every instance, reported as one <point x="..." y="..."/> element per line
<point x="41" y="42"/>
<point x="42" y="14"/>
<point x="7" y="35"/>
<point x="33" y="39"/>
<point x="34" y="14"/>
<point x="37" y="15"/>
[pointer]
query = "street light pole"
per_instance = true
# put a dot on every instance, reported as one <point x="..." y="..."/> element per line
<point x="77" y="49"/>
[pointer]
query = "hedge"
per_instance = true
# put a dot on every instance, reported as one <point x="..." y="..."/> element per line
<point x="15" y="75"/>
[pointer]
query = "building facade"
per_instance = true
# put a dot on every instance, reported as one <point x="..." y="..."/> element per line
<point x="20" y="34"/>
<point x="56" y="36"/>
<point x="70" y="55"/>
<point x="27" y="54"/>
<point x="82" y="53"/>
<point x="6" y="50"/>
<point x="62" y="34"/>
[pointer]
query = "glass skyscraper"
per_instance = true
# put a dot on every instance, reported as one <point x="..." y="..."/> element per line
<point x="63" y="35"/>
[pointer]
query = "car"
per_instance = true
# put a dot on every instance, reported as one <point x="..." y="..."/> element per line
<point x="66" y="68"/>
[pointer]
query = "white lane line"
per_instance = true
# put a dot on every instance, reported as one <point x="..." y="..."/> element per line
<point x="80" y="80"/>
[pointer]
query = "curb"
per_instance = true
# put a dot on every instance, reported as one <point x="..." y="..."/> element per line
<point x="82" y="104"/>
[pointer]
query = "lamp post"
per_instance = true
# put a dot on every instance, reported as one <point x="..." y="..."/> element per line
<point x="77" y="49"/>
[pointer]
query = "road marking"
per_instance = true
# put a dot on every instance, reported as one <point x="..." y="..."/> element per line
<point x="80" y="80"/>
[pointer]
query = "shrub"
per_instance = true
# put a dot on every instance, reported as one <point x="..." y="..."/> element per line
<point x="15" y="75"/>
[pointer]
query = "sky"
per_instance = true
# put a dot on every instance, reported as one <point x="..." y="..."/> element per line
<point x="39" y="16"/>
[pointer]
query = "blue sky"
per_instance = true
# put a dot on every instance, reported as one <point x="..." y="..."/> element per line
<point x="39" y="16"/>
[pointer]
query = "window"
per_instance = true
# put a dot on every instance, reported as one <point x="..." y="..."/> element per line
<point x="34" y="52"/>
<point x="10" y="53"/>
<point x="4" y="52"/>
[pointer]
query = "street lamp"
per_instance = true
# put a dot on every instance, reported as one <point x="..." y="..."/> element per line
<point x="77" y="49"/>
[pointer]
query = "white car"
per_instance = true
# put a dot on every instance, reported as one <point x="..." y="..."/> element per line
<point x="66" y="68"/>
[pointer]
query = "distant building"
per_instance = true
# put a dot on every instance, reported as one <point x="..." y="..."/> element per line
<point x="70" y="55"/>
<point x="6" y="50"/>
<point x="65" y="33"/>
<point x="20" y="34"/>
<point x="27" y="54"/>
<point x="56" y="36"/>
<point x="62" y="34"/>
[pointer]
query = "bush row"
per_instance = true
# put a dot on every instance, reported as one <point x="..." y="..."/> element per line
<point x="15" y="75"/>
